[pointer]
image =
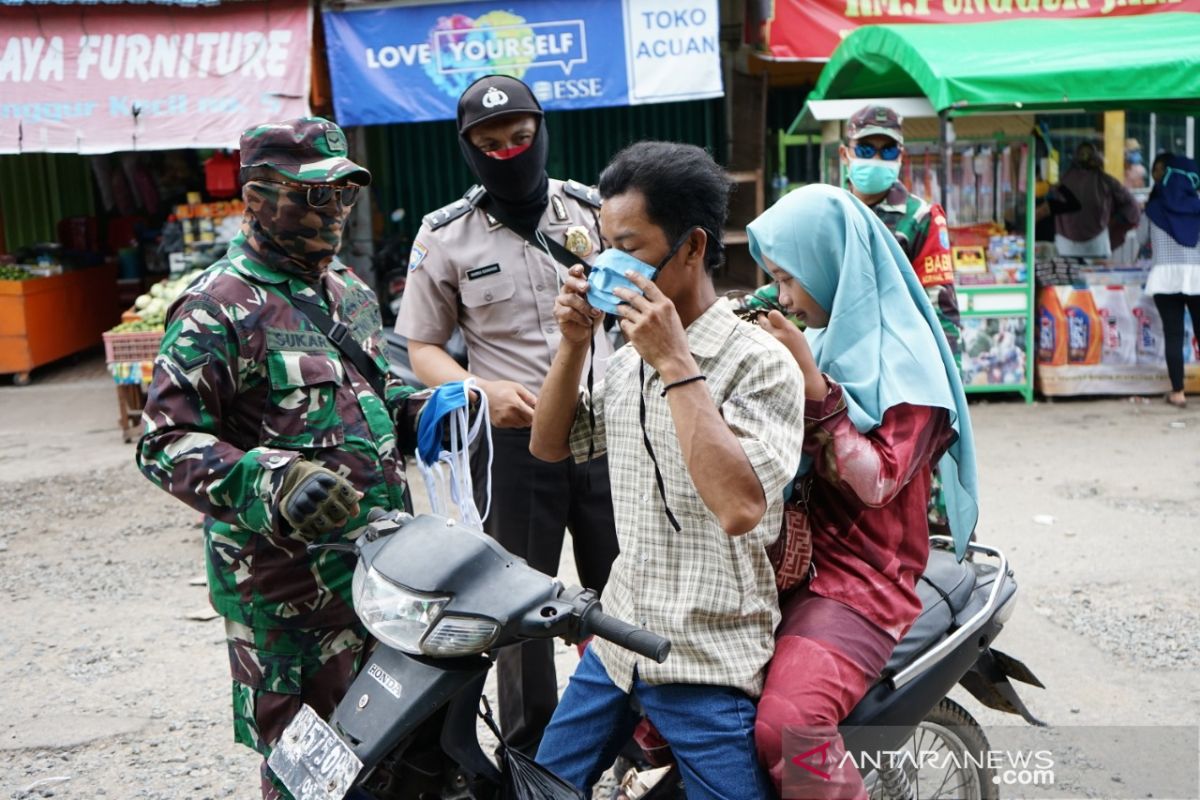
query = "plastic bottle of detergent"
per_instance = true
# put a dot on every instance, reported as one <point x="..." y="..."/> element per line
<point x="1117" y="324"/>
<point x="1084" y="337"/>
<point x="1191" y="347"/>
<point x="1052" y="329"/>
<point x="1150" y="347"/>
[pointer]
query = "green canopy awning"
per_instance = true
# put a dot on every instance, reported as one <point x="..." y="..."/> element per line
<point x="1149" y="61"/>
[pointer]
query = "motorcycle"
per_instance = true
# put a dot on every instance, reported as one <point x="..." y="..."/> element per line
<point x="908" y="739"/>
<point x="440" y="597"/>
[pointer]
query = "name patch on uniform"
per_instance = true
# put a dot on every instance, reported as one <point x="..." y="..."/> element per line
<point x="419" y="251"/>
<point x="482" y="272"/>
<point x="304" y="341"/>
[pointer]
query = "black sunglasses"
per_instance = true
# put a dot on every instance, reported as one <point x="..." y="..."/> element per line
<point x="321" y="194"/>
<point x="889" y="152"/>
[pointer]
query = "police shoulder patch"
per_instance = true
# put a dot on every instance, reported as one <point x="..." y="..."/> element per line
<point x="460" y="207"/>
<point x="419" y="251"/>
<point x="588" y="195"/>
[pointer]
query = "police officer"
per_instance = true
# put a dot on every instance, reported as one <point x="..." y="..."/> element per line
<point x="491" y="263"/>
<point x="279" y="435"/>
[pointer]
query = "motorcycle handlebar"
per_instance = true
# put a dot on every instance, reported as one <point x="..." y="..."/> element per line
<point x="619" y="632"/>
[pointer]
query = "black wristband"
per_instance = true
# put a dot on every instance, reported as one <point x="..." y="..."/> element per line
<point x="682" y="382"/>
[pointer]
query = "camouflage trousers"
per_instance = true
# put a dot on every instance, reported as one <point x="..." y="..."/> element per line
<point x="275" y="671"/>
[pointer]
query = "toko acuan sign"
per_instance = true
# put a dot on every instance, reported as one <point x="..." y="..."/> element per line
<point x="411" y="63"/>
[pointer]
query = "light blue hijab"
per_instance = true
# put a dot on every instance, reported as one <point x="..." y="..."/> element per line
<point x="883" y="343"/>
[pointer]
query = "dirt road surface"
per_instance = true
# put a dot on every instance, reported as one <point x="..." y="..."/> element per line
<point x="110" y="689"/>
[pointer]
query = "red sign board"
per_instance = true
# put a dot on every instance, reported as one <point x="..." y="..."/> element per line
<point x="810" y="30"/>
<point x="96" y="79"/>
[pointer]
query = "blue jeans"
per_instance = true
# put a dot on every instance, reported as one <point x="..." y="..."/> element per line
<point x="710" y="730"/>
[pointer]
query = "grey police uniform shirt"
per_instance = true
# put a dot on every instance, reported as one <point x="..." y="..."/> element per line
<point x="478" y="274"/>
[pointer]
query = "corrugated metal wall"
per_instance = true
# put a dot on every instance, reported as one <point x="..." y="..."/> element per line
<point x="39" y="189"/>
<point x="418" y="167"/>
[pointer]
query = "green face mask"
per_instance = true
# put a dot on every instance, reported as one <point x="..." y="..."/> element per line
<point x="872" y="175"/>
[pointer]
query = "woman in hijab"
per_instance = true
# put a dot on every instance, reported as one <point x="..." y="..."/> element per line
<point x="1172" y="225"/>
<point x="884" y="404"/>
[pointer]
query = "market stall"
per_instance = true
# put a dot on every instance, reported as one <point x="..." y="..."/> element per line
<point x="986" y="171"/>
<point x="116" y="169"/>
<point x="199" y="233"/>
<point x="972" y="123"/>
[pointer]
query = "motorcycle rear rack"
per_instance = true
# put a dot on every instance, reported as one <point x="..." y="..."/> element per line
<point x="968" y="628"/>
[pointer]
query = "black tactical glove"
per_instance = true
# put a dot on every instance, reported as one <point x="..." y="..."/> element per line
<point x="315" y="500"/>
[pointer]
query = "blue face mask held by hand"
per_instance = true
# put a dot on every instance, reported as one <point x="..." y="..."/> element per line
<point x="608" y="273"/>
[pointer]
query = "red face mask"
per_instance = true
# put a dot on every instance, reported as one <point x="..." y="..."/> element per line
<point x="508" y="152"/>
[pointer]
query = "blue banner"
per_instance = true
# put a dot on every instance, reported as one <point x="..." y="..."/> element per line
<point x="411" y="63"/>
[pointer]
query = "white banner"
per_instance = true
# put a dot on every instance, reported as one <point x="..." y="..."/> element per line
<point x="673" y="50"/>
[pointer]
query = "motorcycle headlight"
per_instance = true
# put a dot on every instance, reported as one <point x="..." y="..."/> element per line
<point x="396" y="616"/>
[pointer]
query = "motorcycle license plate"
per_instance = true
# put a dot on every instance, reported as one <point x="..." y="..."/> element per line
<point x="312" y="761"/>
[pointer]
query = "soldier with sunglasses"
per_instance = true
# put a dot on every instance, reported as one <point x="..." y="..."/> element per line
<point x="872" y="158"/>
<point x="280" y="434"/>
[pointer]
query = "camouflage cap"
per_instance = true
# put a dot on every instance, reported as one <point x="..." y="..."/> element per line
<point x="876" y="121"/>
<point x="307" y="150"/>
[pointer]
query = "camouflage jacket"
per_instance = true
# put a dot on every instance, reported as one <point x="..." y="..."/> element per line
<point x="243" y="386"/>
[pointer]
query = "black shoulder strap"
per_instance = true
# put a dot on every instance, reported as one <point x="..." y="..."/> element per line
<point x="584" y="194"/>
<point x="339" y="334"/>
<point x="447" y="214"/>
<point x="542" y="241"/>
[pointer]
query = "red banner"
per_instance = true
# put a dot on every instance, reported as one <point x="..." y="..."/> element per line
<point x="96" y="79"/>
<point x="810" y="30"/>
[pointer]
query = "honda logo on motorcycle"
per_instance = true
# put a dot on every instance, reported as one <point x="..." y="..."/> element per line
<point x="386" y="681"/>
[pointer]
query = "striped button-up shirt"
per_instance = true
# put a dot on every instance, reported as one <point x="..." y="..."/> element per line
<point x="713" y="595"/>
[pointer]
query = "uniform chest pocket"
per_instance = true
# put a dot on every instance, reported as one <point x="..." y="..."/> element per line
<point x="301" y="411"/>
<point x="484" y="291"/>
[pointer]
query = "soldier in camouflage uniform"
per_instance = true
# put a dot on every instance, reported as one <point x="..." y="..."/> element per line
<point x="256" y="419"/>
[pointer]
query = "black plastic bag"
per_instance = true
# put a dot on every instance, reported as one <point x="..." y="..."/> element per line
<point x="525" y="779"/>
<point x="522" y="778"/>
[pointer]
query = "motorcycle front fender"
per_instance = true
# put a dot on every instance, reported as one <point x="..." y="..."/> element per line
<point x="394" y="693"/>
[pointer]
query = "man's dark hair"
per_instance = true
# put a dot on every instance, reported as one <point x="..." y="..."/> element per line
<point x="683" y="188"/>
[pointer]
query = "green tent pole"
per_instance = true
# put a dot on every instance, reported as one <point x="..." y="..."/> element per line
<point x="1030" y="266"/>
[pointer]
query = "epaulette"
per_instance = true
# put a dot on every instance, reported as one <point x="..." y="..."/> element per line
<point x="584" y="194"/>
<point x="448" y="213"/>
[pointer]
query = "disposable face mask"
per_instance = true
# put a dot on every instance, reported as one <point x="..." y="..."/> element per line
<point x="872" y="176"/>
<point x="608" y="273"/>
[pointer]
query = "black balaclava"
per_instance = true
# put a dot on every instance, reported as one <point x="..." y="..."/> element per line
<point x="517" y="186"/>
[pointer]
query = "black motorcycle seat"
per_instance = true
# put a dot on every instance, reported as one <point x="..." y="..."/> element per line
<point x="944" y="579"/>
